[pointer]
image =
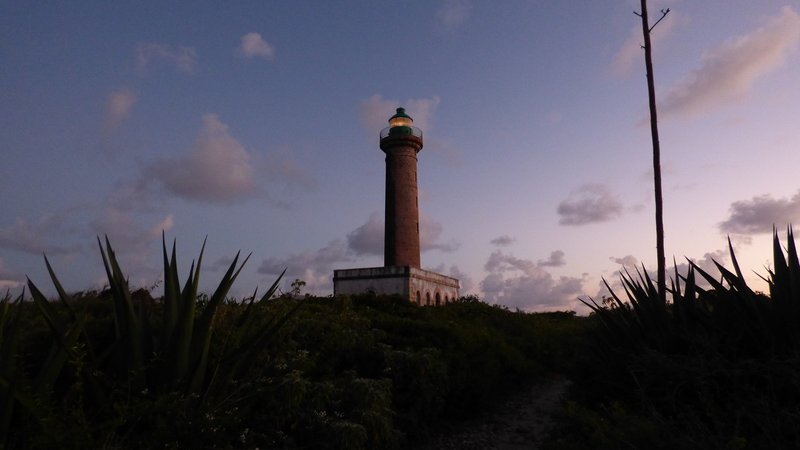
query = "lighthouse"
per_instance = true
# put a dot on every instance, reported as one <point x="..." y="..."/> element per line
<point x="401" y="273"/>
<point x="401" y="141"/>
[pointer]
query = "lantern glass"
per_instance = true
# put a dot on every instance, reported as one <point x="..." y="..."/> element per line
<point x="400" y="122"/>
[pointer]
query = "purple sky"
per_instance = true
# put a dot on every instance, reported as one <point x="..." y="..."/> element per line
<point x="256" y="123"/>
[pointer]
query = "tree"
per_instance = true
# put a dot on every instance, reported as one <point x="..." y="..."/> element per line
<point x="297" y="287"/>
<point x="651" y="91"/>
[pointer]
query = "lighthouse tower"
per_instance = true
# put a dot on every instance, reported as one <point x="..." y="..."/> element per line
<point x="401" y="142"/>
<point x="401" y="274"/>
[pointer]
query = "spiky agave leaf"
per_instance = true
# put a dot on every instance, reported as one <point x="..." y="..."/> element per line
<point x="793" y="273"/>
<point x="66" y="337"/>
<point x="779" y="278"/>
<point x="9" y="375"/>
<point x="691" y="308"/>
<point x="245" y="352"/>
<point x="184" y="331"/>
<point x="171" y="294"/>
<point x="622" y="323"/>
<point x="128" y="323"/>
<point x="784" y="286"/>
<point x="201" y="338"/>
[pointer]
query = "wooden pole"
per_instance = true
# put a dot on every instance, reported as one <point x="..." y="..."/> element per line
<point x="651" y="90"/>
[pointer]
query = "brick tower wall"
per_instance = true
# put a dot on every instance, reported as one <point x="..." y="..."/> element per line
<point x="401" y="238"/>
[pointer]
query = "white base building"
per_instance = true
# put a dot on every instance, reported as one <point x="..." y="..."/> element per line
<point x="422" y="287"/>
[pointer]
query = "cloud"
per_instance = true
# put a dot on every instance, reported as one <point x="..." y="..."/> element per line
<point x="633" y="267"/>
<point x="376" y="111"/>
<point x="221" y="263"/>
<point x="453" y="13"/>
<point x="9" y="284"/>
<point x="628" y="53"/>
<point x="368" y="238"/>
<point x="499" y="262"/>
<point x="759" y="214"/>
<point x="502" y="241"/>
<point x="556" y="259"/>
<point x="140" y="195"/>
<point x="23" y="237"/>
<point x="133" y="235"/>
<point x="32" y="238"/>
<point x="133" y="241"/>
<point x="628" y="261"/>
<point x="706" y="263"/>
<point x="118" y="108"/>
<point x="151" y="54"/>
<point x="316" y="267"/>
<point x="467" y="286"/>
<point x="313" y="267"/>
<point x="125" y="231"/>
<point x="280" y="167"/>
<point x="520" y="283"/>
<point x="631" y="51"/>
<point x="446" y="149"/>
<point x="128" y="215"/>
<point x="590" y="203"/>
<point x="429" y="233"/>
<point x="9" y="279"/>
<point x="254" y="46"/>
<point x="729" y="70"/>
<point x="319" y="260"/>
<point x="217" y="169"/>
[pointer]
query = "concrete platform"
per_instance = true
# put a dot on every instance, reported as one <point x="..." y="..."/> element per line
<point x="423" y="287"/>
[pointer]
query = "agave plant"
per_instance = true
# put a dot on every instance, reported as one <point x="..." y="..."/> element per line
<point x="9" y="342"/>
<point x="719" y="361"/>
<point x="727" y="311"/>
<point x="156" y="348"/>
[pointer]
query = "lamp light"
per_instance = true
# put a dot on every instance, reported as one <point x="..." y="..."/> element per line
<point x="401" y="119"/>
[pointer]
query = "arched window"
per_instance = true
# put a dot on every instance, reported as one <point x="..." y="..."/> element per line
<point x="446" y="299"/>
<point x="428" y="299"/>
<point x="419" y="298"/>
<point x="438" y="299"/>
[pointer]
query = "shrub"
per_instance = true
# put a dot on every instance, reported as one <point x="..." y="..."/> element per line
<point x="119" y="378"/>
<point x="714" y="368"/>
<point x="124" y="370"/>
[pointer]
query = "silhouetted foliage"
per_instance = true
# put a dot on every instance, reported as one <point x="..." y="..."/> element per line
<point x="715" y="368"/>
<point x="344" y="373"/>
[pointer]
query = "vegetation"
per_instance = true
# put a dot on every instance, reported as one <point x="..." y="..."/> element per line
<point x="715" y="368"/>
<point x="119" y="369"/>
<point x="85" y="373"/>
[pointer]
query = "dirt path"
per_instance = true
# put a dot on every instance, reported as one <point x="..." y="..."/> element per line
<point x="521" y="423"/>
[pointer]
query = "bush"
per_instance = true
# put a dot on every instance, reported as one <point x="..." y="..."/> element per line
<point x="715" y="368"/>
<point x="121" y="369"/>
<point x="115" y="373"/>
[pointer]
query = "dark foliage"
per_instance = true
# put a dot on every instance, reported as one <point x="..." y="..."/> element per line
<point x="343" y="373"/>
<point x="715" y="368"/>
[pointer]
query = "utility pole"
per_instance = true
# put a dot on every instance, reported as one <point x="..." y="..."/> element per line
<point x="651" y="90"/>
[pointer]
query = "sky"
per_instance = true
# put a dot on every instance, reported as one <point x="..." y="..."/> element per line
<point x="257" y="124"/>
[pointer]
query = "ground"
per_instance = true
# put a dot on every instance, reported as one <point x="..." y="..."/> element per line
<point x="521" y="423"/>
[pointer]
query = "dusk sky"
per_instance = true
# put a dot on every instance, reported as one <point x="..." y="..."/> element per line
<point x="256" y="124"/>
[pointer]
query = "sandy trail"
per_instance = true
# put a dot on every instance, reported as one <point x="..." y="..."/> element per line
<point x="521" y="423"/>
